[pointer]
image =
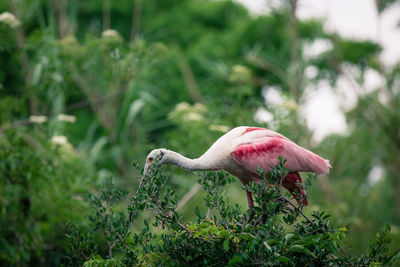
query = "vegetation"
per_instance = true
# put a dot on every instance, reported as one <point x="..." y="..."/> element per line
<point x="223" y="238"/>
<point x="88" y="87"/>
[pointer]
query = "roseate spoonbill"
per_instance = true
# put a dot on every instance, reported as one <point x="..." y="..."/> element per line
<point x="241" y="151"/>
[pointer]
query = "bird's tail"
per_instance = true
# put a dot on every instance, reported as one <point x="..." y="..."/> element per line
<point x="317" y="164"/>
<point x="293" y="183"/>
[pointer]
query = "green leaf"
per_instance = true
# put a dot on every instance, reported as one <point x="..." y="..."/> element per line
<point x="310" y="242"/>
<point x="134" y="109"/>
<point x="283" y="259"/>
<point x="252" y="243"/>
<point x="198" y="233"/>
<point x="37" y="74"/>
<point x="395" y="259"/>
<point x="224" y="233"/>
<point x="374" y="264"/>
<point x="301" y="249"/>
<point x="247" y="236"/>
<point x="103" y="263"/>
<point x="212" y="230"/>
<point x="235" y="260"/>
<point x="226" y="244"/>
<point x="288" y="237"/>
<point x="267" y="246"/>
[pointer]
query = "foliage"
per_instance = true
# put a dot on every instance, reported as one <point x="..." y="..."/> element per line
<point x="105" y="220"/>
<point x="35" y="199"/>
<point x="87" y="87"/>
<point x="225" y="238"/>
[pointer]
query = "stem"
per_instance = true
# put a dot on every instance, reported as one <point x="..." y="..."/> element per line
<point x="59" y="10"/>
<point x="301" y="212"/>
<point x="110" y="247"/>
<point x="193" y="191"/>
<point x="136" y="15"/>
<point x="106" y="14"/>
<point x="168" y="215"/>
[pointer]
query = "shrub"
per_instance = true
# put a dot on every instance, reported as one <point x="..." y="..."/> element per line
<point x="224" y="238"/>
<point x="40" y="188"/>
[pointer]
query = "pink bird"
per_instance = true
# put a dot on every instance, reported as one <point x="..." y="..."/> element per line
<point x="241" y="151"/>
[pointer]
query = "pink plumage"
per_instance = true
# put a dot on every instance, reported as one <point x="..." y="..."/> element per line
<point x="264" y="152"/>
<point x="242" y="150"/>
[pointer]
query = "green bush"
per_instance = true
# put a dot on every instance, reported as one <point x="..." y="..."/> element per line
<point x="40" y="188"/>
<point x="223" y="238"/>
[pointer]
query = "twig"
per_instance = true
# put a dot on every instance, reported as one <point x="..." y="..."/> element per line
<point x="192" y="192"/>
<point x="14" y="124"/>
<point x="168" y="215"/>
<point x="301" y="212"/>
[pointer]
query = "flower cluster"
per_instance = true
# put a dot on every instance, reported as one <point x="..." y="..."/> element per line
<point x="111" y="35"/>
<point x="188" y="113"/>
<point x="9" y="19"/>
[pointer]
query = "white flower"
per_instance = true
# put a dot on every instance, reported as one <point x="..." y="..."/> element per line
<point x="198" y="107"/>
<point x="186" y="112"/>
<point x="183" y="106"/>
<point x="219" y="128"/>
<point x="240" y="73"/>
<point x="67" y="118"/>
<point x="62" y="141"/>
<point x="290" y="104"/>
<point x="37" y="119"/>
<point x="192" y="116"/>
<point x="10" y="19"/>
<point x="59" y="140"/>
<point x="111" y="34"/>
<point x="240" y="69"/>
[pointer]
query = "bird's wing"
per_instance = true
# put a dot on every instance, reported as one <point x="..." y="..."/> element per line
<point x="264" y="152"/>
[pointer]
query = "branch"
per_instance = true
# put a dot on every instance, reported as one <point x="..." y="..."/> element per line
<point x="297" y="208"/>
<point x="191" y="193"/>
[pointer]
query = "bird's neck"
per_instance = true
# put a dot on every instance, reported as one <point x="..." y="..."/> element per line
<point x="172" y="157"/>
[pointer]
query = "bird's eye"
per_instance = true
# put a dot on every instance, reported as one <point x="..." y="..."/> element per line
<point x="151" y="158"/>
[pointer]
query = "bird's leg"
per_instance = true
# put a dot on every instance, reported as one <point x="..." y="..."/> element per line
<point x="263" y="218"/>
<point x="251" y="205"/>
<point x="292" y="182"/>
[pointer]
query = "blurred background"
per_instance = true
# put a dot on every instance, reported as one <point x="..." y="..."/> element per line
<point x="88" y="87"/>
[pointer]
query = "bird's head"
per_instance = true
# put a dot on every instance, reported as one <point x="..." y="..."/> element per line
<point x="155" y="157"/>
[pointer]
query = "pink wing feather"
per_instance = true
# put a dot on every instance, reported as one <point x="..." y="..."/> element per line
<point x="264" y="152"/>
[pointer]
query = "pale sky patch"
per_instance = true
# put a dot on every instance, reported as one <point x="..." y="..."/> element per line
<point x="272" y="95"/>
<point x="323" y="106"/>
